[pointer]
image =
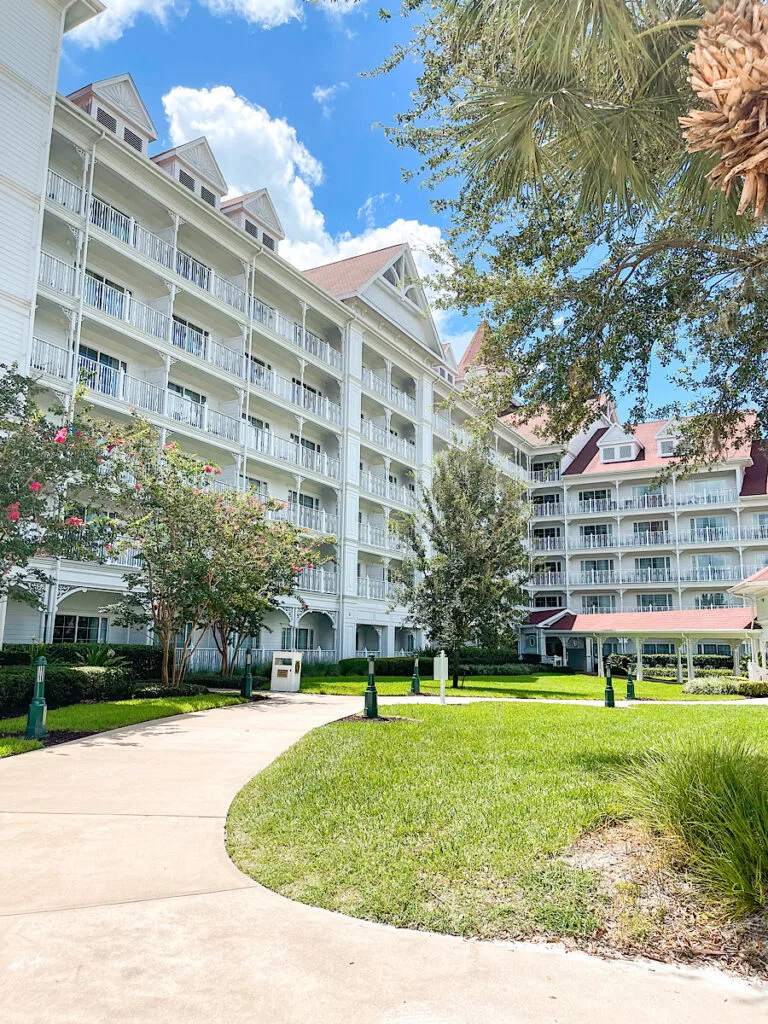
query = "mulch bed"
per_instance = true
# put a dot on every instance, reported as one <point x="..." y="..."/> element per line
<point x="655" y="911"/>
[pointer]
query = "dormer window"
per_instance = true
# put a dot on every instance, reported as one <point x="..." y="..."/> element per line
<point x="186" y="180"/>
<point x="106" y="120"/>
<point x="133" y="140"/>
<point x="666" y="447"/>
<point x="618" y="453"/>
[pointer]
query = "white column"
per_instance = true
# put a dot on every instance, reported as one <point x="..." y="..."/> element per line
<point x="736" y="658"/>
<point x="689" y="658"/>
<point x="680" y="662"/>
<point x="638" y="641"/>
<point x="600" y="660"/>
<point x="3" y="612"/>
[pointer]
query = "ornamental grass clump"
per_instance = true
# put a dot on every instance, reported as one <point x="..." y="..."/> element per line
<point x="707" y="800"/>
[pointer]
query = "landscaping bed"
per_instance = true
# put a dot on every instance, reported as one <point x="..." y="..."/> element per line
<point x="494" y="821"/>
<point x="80" y="720"/>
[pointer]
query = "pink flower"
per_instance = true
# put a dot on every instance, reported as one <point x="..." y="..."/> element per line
<point x="207" y="469"/>
<point x="310" y="566"/>
<point x="170" y="446"/>
<point x="195" y="490"/>
<point x="13" y="511"/>
<point x="35" y="486"/>
<point x="61" y="436"/>
<point x="217" y="470"/>
<point x="107" y="547"/>
<point x="74" y="521"/>
<point x="138" y="487"/>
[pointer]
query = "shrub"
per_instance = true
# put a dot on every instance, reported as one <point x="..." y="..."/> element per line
<point x="63" y="685"/>
<point x="712" y="685"/>
<point x="385" y="666"/>
<point x="749" y="688"/>
<point x="144" y="662"/>
<point x="516" y="668"/>
<point x="709" y="803"/>
<point x="101" y="656"/>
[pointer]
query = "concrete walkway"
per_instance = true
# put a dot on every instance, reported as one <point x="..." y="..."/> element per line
<point x="118" y="904"/>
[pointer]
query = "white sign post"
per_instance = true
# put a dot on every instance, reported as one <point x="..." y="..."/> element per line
<point x="441" y="673"/>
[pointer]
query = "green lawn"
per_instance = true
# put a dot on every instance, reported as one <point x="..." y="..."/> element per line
<point x="454" y="821"/>
<point x="110" y="715"/>
<point x="541" y="684"/>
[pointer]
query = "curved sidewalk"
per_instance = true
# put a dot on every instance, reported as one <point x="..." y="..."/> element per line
<point x="118" y="904"/>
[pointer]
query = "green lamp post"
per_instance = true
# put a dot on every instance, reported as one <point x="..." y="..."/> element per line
<point x="371" y="709"/>
<point x="38" y="710"/>
<point x="415" y="682"/>
<point x="247" y="687"/>
<point x="630" y="685"/>
<point x="610" y="700"/>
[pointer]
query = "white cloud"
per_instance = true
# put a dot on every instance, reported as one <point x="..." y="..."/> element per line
<point x="264" y="13"/>
<point x="325" y="95"/>
<point x="121" y="15"/>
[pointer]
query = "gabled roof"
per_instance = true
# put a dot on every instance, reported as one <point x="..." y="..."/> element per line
<point x="756" y="476"/>
<point x="121" y="93"/>
<point x="755" y="585"/>
<point x="348" y="277"/>
<point x="199" y="155"/>
<point x="472" y="354"/>
<point x="260" y="206"/>
<point x="449" y="356"/>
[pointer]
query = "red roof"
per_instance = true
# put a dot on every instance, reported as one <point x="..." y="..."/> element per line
<point x="756" y="475"/>
<point x="588" y="459"/>
<point x="345" y="277"/>
<point x="472" y="354"/>
<point x="534" y="618"/>
<point x="627" y="623"/>
<point x="761" y="576"/>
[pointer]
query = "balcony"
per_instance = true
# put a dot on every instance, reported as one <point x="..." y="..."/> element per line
<point x="719" y="497"/>
<point x="547" y="508"/>
<point x="381" y="436"/>
<point x="594" y="577"/>
<point x="754" y="533"/>
<point x="286" y="328"/>
<point x="265" y="442"/>
<point x="318" y="581"/>
<point x="649" y="576"/>
<point x="56" y="274"/>
<point x="123" y="306"/>
<point x="441" y="423"/>
<point x="549" y="579"/>
<point x="547" y="544"/>
<point x="714" y="573"/>
<point x="594" y="540"/>
<point x="597" y="505"/>
<point x="64" y="192"/>
<point x="296" y="394"/>
<point x="126" y="230"/>
<point x="374" y="590"/>
<point x="382" y="488"/>
<point x="648" y="538"/>
<point x="134" y="392"/>
<point x="307" y="518"/>
<point x="379" y="385"/>
<point x="52" y="359"/>
<point x="543" y="476"/>
<point x="379" y="537"/>
<point x="708" y="535"/>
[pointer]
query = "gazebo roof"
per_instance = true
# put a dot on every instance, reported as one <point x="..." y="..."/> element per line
<point x="720" y="621"/>
<point x="755" y="584"/>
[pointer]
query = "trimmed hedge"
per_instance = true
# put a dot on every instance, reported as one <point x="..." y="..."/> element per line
<point x="144" y="661"/>
<point x="185" y="690"/>
<point x="715" y="686"/>
<point x="714" y="661"/>
<point x="386" y="666"/>
<point x="516" y="668"/>
<point x="63" y="685"/>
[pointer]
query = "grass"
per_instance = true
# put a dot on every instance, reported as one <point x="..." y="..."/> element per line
<point x="709" y="803"/>
<point x="454" y="819"/>
<point x="537" y="684"/>
<point x="109" y="715"/>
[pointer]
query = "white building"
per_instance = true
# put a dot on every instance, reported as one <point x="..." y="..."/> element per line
<point x="141" y="276"/>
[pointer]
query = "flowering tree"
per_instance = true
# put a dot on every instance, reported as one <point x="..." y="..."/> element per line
<point x="47" y="462"/>
<point x="208" y="561"/>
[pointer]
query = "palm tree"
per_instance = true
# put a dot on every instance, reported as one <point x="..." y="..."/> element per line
<point x="586" y="98"/>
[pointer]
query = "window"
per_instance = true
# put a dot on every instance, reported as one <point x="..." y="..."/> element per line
<point x="106" y="120"/>
<point x="133" y="140"/>
<point x="189" y="336"/>
<point x="545" y="499"/>
<point x="617" y="453"/>
<point x="652" y="528"/>
<point x="261" y="372"/>
<point x="654" y="602"/>
<point x="101" y="371"/>
<point x="723" y="649"/>
<point x="625" y="451"/>
<point x="258" y="423"/>
<point x="550" y="567"/>
<point x="608" y="454"/>
<point x="652" y="563"/>
<point x="192" y="396"/>
<point x="709" y="527"/>
<point x="268" y="241"/>
<point x="104" y="294"/>
<point x="658" y="648"/>
<point x="79" y="629"/>
<point x="207" y="196"/>
<point x="666" y="447"/>
<point x="598" y="603"/>
<point x="644" y="496"/>
<point x="186" y="180"/>
<point x="251" y="229"/>
<point x="597" y="565"/>
<point x="548" y="601"/>
<point x="547" y="531"/>
<point x="714" y="600"/>
<point x="303" y="500"/>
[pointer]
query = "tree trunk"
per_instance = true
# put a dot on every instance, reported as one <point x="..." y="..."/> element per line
<point x="166" y="659"/>
<point x="455" y="660"/>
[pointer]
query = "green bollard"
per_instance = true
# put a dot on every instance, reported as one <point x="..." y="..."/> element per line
<point x="415" y="682"/>
<point x="609" y="694"/>
<point x="247" y="688"/>
<point x="38" y="709"/>
<point x="371" y="709"/>
<point x="630" y="686"/>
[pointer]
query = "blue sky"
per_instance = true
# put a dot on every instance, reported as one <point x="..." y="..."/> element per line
<point x="277" y="87"/>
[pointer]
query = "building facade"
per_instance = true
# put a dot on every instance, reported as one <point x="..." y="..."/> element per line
<point x="329" y="389"/>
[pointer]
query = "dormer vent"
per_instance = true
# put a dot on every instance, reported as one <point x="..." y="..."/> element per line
<point x="268" y="240"/>
<point x="133" y="140"/>
<point x="207" y="196"/>
<point x="186" y="179"/>
<point x="251" y="229"/>
<point x="106" y="120"/>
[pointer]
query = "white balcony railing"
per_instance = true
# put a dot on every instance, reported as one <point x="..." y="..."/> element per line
<point x="373" y="589"/>
<point x="373" y="484"/>
<point x="547" y="543"/>
<point x="123" y="306"/>
<point x="547" y="508"/>
<point x="381" y="436"/>
<point x="52" y="359"/>
<point x="226" y="358"/>
<point x="308" y="518"/>
<point x="594" y="540"/>
<point x="64" y="192"/>
<point x="542" y="476"/>
<point x="367" y="533"/>
<point x="56" y="274"/>
<point x="319" y="581"/>
<point x="713" y="573"/>
<point x="719" y="497"/>
<point x="549" y="579"/>
<point x="441" y="423"/>
<point x="106" y="380"/>
<point x="648" y="538"/>
<point x="402" y="399"/>
<point x="266" y="442"/>
<point x="295" y="393"/>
